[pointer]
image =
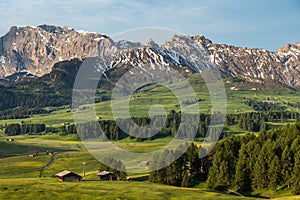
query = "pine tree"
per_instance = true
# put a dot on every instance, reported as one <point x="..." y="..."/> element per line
<point x="186" y="180"/>
<point x="287" y="166"/>
<point x="263" y="126"/>
<point x="260" y="178"/>
<point x="274" y="173"/>
<point x="296" y="175"/>
<point x="153" y="167"/>
<point x="173" y="128"/>
<point x="63" y="130"/>
<point x="243" y="176"/>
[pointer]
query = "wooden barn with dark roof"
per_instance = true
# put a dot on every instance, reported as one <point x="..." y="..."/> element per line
<point x="107" y="176"/>
<point x="68" y="176"/>
<point x="33" y="153"/>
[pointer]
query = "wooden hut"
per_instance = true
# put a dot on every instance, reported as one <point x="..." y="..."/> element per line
<point x="68" y="176"/>
<point x="129" y="179"/>
<point x="106" y="176"/>
<point x="33" y="153"/>
<point x="50" y="152"/>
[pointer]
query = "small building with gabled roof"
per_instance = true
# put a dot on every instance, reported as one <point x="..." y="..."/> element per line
<point x="49" y="152"/>
<point x="68" y="176"/>
<point x="106" y="176"/>
<point x="33" y="153"/>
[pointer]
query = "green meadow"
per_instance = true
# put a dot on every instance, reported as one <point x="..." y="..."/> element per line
<point x="19" y="173"/>
<point x="153" y="95"/>
<point x="48" y="188"/>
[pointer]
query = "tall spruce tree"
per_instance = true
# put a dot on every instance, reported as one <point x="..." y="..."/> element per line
<point x="274" y="173"/>
<point x="296" y="174"/>
<point x="243" y="173"/>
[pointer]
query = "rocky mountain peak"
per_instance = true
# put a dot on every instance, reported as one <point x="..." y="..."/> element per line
<point x="202" y="40"/>
<point x="124" y="44"/>
<point x="152" y="44"/>
<point x="37" y="49"/>
<point x="295" y="47"/>
<point x="56" y="29"/>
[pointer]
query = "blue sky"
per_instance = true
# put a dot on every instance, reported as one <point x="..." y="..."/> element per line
<point x="252" y="23"/>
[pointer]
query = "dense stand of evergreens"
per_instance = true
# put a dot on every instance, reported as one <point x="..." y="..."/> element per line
<point x="269" y="160"/>
<point x="256" y="121"/>
<point x="171" y="125"/>
<point x="264" y="106"/>
<point x="18" y="129"/>
<point x="186" y="171"/>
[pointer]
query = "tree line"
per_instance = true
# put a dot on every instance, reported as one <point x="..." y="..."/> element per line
<point x="162" y="126"/>
<point x="21" y="113"/>
<point x="172" y="125"/>
<point x="269" y="160"/>
<point x="165" y="126"/>
<point x="263" y="106"/>
<point x="24" y="128"/>
<point x="257" y="121"/>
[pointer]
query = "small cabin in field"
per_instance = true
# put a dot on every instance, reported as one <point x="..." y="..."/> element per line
<point x="33" y="153"/>
<point x="68" y="176"/>
<point x="50" y="152"/>
<point x="106" y="176"/>
<point x="129" y="179"/>
<point x="144" y="163"/>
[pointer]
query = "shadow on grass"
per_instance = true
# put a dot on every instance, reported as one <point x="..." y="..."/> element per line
<point x="248" y="194"/>
<point x="9" y="149"/>
<point x="141" y="178"/>
<point x="241" y="194"/>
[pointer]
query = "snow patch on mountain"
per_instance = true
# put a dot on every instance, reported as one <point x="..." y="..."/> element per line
<point x="36" y="49"/>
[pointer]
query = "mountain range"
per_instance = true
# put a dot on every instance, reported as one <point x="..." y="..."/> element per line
<point x="34" y="51"/>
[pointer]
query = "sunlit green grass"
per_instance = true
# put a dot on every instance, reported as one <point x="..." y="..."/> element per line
<point x="50" y="188"/>
<point x="19" y="173"/>
<point x="143" y="100"/>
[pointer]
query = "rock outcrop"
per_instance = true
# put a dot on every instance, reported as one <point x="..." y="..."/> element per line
<point x="36" y="49"/>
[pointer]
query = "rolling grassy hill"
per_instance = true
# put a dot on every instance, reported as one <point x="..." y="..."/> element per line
<point x="47" y="188"/>
<point x="140" y="102"/>
<point x="18" y="172"/>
